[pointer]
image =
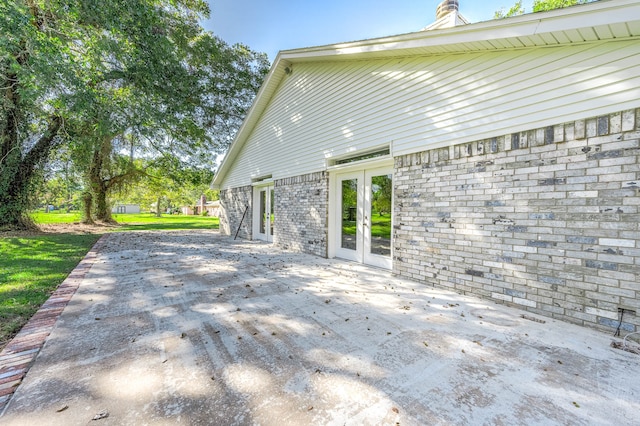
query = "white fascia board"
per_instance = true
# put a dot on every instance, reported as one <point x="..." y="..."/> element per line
<point x="458" y="38"/>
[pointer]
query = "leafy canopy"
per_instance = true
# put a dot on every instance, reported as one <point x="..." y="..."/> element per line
<point x="538" y="6"/>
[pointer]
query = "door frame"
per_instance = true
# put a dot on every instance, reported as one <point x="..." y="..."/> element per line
<point x="258" y="188"/>
<point x="335" y="192"/>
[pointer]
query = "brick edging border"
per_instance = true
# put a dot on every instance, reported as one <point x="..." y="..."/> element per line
<point x="20" y="353"/>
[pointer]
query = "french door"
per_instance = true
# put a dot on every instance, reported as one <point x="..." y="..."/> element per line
<point x="363" y="228"/>
<point x="263" y="216"/>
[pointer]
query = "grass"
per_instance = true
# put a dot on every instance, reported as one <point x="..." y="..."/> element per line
<point x="55" y="217"/>
<point x="134" y="222"/>
<point x="148" y="221"/>
<point x="380" y="226"/>
<point x="33" y="266"/>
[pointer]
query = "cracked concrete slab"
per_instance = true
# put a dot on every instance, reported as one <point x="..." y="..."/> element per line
<point x="192" y="327"/>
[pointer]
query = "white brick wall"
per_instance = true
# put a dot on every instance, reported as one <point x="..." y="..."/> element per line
<point x="546" y="220"/>
<point x="301" y="212"/>
<point x="233" y="203"/>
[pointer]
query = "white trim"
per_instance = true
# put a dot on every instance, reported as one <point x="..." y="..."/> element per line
<point x="386" y="160"/>
<point x="363" y="174"/>
<point x="266" y="182"/>
<point x="255" y="220"/>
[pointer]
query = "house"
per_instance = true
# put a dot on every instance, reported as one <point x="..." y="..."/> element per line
<point x="212" y="208"/>
<point x="126" y="209"/>
<point x="499" y="159"/>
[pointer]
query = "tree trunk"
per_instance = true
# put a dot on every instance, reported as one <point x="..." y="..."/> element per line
<point x="158" y="214"/>
<point x="87" y="208"/>
<point x="103" y="212"/>
<point x="99" y="186"/>
<point x="17" y="172"/>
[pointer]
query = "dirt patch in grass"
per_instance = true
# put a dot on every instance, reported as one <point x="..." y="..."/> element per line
<point x="62" y="228"/>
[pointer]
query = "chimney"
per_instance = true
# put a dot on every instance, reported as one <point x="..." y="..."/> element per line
<point x="446" y="7"/>
<point x="447" y="16"/>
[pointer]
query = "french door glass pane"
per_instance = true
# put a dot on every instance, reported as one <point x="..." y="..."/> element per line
<point x="271" y="203"/>
<point x="263" y="212"/>
<point x="381" y="187"/>
<point x="349" y="213"/>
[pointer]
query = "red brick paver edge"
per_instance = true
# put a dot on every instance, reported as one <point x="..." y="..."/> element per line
<point x="18" y="356"/>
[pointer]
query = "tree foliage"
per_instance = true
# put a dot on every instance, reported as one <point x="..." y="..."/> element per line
<point x="538" y="6"/>
<point x="109" y="77"/>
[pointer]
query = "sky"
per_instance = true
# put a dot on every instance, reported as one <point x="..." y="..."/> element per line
<point x="273" y="25"/>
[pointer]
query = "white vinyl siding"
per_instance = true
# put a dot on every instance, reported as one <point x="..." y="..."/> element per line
<point x="324" y="110"/>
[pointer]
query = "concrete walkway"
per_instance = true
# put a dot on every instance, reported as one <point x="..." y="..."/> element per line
<point x="194" y="328"/>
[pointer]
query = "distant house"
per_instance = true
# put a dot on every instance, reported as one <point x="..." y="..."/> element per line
<point x="499" y="159"/>
<point x="126" y="209"/>
<point x="212" y="208"/>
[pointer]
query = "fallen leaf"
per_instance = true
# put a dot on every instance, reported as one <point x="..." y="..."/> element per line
<point x="395" y="410"/>
<point x="101" y="415"/>
<point x="61" y="409"/>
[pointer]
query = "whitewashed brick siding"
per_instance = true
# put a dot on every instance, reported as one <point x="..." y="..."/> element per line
<point x="233" y="203"/>
<point x="546" y="220"/>
<point x="301" y="212"/>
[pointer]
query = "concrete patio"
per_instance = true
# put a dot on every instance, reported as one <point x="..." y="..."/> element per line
<point x="192" y="327"/>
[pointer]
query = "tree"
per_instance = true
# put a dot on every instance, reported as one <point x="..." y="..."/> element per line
<point x="32" y="109"/>
<point x="193" y="111"/>
<point x="516" y="9"/>
<point x="97" y="73"/>
<point x="381" y="194"/>
<point x="538" y="6"/>
<point x="168" y="183"/>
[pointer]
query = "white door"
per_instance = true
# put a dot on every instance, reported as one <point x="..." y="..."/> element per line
<point x="363" y="218"/>
<point x="263" y="217"/>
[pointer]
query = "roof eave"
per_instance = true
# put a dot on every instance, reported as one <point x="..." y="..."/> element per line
<point x="462" y="38"/>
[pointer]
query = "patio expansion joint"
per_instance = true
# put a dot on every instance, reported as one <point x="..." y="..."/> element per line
<point x="26" y="345"/>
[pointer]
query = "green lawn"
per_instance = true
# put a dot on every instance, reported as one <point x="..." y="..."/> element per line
<point x="134" y="222"/>
<point x="56" y="216"/>
<point x="148" y="221"/>
<point x="32" y="266"/>
<point x="380" y="226"/>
